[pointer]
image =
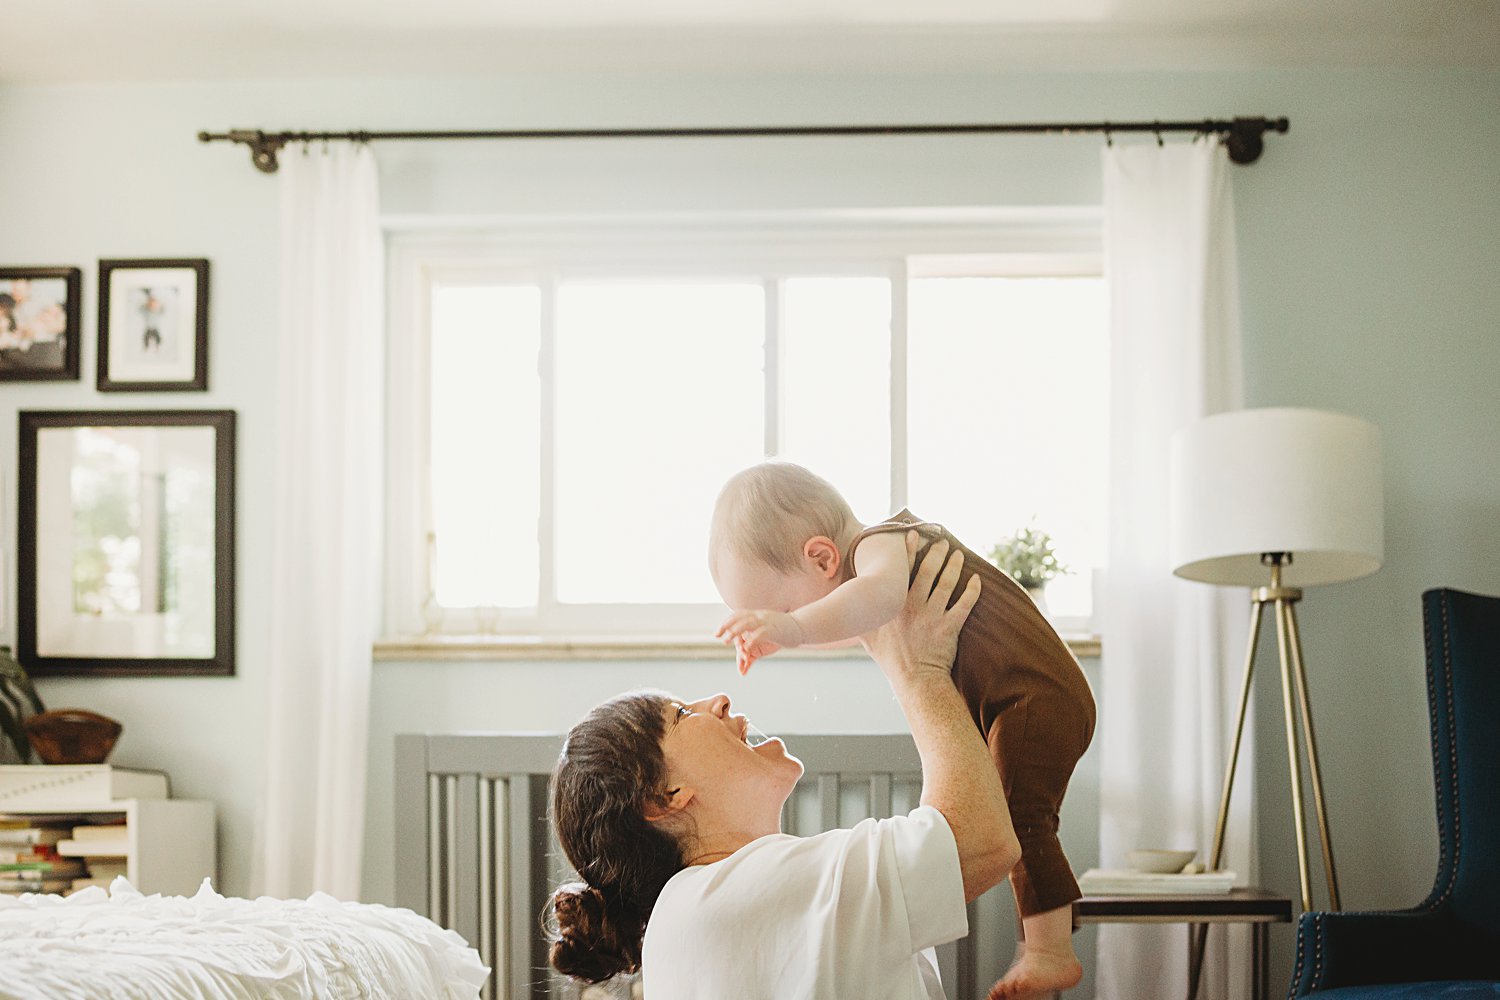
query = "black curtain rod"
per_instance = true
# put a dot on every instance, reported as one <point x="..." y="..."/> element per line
<point x="1244" y="137"/>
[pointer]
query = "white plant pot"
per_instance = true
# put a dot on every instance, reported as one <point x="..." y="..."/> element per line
<point x="1038" y="597"/>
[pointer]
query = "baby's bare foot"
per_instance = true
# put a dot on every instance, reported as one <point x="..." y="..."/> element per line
<point x="1038" y="975"/>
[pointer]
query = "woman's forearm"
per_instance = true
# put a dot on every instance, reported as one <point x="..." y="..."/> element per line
<point x="959" y="779"/>
<point x="915" y="652"/>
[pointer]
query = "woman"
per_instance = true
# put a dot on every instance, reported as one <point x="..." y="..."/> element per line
<point x="673" y="822"/>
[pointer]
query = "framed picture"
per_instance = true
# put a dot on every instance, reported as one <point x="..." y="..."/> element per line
<point x="153" y="325"/>
<point x="39" y="323"/>
<point x="125" y="561"/>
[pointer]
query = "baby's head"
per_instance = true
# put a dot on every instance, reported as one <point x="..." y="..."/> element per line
<point x="778" y="537"/>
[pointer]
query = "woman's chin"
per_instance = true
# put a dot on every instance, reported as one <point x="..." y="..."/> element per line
<point x="774" y="750"/>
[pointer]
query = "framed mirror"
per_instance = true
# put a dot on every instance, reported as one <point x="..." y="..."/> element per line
<point x="125" y="554"/>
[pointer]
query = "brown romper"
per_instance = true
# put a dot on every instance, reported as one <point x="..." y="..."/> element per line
<point x="1031" y="702"/>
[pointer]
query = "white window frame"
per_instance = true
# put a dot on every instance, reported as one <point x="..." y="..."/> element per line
<point x="773" y="246"/>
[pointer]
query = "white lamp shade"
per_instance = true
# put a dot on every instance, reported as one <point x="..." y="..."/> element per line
<point x="1276" y="480"/>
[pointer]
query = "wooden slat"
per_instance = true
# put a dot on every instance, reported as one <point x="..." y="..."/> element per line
<point x="464" y="861"/>
<point x="486" y="881"/>
<point x="539" y="888"/>
<point x="880" y="796"/>
<point x="519" y="909"/>
<point x="828" y="802"/>
<point x="449" y="851"/>
<point x="413" y="844"/>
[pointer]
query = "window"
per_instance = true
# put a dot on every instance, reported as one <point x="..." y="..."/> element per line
<point x="566" y="404"/>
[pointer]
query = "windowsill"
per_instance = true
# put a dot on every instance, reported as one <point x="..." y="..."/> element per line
<point x="445" y="648"/>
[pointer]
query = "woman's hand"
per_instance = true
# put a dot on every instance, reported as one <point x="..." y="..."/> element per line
<point x="923" y="637"/>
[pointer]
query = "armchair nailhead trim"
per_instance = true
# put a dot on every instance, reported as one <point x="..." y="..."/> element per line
<point x="1456" y="812"/>
<point x="1301" y="962"/>
<point x="1318" y="954"/>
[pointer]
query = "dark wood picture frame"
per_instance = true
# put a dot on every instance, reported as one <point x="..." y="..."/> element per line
<point x="68" y="367"/>
<point x="197" y="381"/>
<point x="222" y="662"/>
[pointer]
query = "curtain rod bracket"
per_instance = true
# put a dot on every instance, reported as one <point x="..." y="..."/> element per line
<point x="263" y="148"/>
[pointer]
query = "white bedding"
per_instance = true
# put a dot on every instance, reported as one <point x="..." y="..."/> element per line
<point x="120" y="944"/>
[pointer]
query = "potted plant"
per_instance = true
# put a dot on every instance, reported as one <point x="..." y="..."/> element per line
<point x="1029" y="558"/>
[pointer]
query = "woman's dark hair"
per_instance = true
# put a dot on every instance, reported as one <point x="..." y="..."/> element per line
<point x="611" y="769"/>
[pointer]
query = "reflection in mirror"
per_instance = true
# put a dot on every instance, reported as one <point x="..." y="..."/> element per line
<point x="125" y="541"/>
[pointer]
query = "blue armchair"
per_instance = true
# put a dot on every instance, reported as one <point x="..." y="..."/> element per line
<point x="1449" y="946"/>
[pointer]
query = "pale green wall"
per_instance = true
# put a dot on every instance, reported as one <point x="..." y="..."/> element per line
<point x="1369" y="268"/>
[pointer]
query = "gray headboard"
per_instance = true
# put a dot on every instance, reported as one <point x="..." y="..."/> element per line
<point x="474" y="849"/>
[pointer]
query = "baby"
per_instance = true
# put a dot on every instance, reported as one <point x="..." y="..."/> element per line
<point x="798" y="570"/>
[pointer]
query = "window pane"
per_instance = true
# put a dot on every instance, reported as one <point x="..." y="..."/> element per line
<point x="660" y="398"/>
<point x="836" y="386"/>
<point x="1008" y="415"/>
<point x="486" y="437"/>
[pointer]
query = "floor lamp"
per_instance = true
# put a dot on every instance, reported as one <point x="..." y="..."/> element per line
<point x="1277" y="500"/>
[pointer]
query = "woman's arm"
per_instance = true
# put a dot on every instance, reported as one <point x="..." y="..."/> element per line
<point x="915" y="650"/>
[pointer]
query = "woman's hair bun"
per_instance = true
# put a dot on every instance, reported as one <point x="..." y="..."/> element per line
<point x="594" y="939"/>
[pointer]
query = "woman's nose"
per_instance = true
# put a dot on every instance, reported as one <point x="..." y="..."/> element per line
<point x="719" y="705"/>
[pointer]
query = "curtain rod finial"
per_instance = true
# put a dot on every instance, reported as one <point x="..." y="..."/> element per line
<point x="1245" y="139"/>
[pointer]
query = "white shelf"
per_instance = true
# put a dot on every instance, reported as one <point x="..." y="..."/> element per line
<point x="169" y="843"/>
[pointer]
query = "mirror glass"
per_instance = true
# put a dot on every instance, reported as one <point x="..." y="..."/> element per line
<point x="125" y="541"/>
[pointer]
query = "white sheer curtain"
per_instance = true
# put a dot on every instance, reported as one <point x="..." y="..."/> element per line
<point x="330" y="344"/>
<point x="1173" y="649"/>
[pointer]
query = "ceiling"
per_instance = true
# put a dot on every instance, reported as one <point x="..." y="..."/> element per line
<point x="105" y="40"/>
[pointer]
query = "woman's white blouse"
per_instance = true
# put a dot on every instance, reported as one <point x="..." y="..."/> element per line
<point x="845" y="914"/>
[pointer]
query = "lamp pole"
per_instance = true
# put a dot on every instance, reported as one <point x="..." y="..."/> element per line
<point x="1283" y="601"/>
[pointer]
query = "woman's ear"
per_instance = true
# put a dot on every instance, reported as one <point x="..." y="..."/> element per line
<point x="676" y="800"/>
<point x="824" y="555"/>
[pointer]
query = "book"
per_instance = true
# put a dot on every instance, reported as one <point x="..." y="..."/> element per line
<point x="64" y="786"/>
<point x="59" y="868"/>
<point x="1104" y="882"/>
<point x="106" y="868"/>
<point x="29" y="836"/>
<point x="16" y="886"/>
<point x="89" y="848"/>
<point x="99" y="831"/>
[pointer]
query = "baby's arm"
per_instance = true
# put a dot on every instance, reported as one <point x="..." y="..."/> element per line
<point x="862" y="604"/>
<point x="853" y="608"/>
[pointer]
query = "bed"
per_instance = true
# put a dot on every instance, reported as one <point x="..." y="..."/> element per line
<point x="118" y="944"/>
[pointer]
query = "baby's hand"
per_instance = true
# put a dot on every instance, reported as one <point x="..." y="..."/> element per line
<point x="755" y="634"/>
<point x="746" y="655"/>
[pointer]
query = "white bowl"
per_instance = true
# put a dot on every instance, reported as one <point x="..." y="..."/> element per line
<point x="1160" y="862"/>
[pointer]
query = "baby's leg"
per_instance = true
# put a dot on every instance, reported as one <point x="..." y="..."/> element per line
<point x="1045" y="962"/>
<point x="1036" y="775"/>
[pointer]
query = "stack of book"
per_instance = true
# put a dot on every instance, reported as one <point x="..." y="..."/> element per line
<point x="29" y="857"/>
<point x="102" y="847"/>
